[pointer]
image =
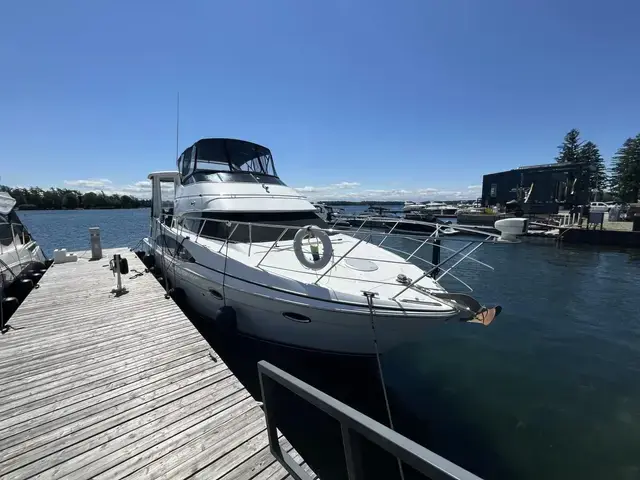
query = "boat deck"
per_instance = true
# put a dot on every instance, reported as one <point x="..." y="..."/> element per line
<point x="94" y="385"/>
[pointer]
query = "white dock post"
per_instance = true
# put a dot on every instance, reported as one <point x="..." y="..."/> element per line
<point x="96" y="247"/>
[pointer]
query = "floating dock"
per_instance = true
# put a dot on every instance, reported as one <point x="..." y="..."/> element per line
<point x="98" y="385"/>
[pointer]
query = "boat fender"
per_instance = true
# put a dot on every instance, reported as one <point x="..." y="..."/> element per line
<point x="148" y="261"/>
<point x="317" y="262"/>
<point x="225" y="319"/>
<point x="179" y="296"/>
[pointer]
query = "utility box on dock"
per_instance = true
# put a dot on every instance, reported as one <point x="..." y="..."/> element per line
<point x="96" y="246"/>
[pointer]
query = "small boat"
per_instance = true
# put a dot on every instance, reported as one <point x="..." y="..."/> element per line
<point x="20" y="256"/>
<point x="243" y="249"/>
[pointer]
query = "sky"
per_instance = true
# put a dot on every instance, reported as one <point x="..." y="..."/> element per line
<point x="412" y="99"/>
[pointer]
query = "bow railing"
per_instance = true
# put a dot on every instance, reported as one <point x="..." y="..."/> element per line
<point x="362" y="234"/>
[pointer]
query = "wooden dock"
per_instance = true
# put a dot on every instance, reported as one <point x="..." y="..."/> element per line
<point x="94" y="385"/>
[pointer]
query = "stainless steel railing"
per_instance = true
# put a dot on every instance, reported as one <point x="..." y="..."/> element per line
<point x="355" y="427"/>
<point x="367" y="234"/>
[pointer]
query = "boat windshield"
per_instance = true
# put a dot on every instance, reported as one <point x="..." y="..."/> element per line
<point x="227" y="160"/>
<point x="241" y="233"/>
<point x="262" y="165"/>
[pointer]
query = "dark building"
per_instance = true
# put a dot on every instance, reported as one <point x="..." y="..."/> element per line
<point x="540" y="188"/>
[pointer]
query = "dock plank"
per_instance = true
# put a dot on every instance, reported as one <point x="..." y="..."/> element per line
<point x="94" y="385"/>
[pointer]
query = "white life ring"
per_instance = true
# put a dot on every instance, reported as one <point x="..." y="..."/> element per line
<point x="327" y="248"/>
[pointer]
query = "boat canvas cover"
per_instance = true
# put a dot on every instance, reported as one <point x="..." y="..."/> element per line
<point x="236" y="155"/>
<point x="7" y="202"/>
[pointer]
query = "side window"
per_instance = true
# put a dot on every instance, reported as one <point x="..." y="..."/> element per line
<point x="185" y="255"/>
<point x="186" y="162"/>
<point x="180" y="163"/>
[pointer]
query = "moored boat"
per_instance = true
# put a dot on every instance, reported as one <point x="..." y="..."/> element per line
<point x="243" y="248"/>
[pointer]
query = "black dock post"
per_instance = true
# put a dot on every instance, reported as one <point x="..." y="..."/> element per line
<point x="435" y="257"/>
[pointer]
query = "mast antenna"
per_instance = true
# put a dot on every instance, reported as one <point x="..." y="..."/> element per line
<point x="177" y="125"/>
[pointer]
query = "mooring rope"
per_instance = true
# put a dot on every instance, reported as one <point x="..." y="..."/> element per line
<point x="370" y="296"/>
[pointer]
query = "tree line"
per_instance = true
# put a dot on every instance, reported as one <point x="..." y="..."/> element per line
<point x="36" y="198"/>
<point x="622" y="179"/>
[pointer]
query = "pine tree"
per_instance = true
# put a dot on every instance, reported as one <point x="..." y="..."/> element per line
<point x="590" y="153"/>
<point x="570" y="148"/>
<point x="625" y="172"/>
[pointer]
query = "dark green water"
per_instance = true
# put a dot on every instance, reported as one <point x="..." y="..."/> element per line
<point x="550" y="390"/>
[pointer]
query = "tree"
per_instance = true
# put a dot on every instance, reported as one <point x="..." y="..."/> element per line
<point x="625" y="172"/>
<point x="90" y="200"/>
<point x="570" y="148"/>
<point x="590" y="153"/>
<point x="70" y="201"/>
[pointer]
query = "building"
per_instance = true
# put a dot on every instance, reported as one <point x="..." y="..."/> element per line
<point x="539" y="188"/>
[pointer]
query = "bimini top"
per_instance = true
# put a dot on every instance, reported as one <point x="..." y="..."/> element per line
<point x="226" y="155"/>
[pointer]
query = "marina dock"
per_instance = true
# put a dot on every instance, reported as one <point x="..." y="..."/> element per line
<point x="98" y="385"/>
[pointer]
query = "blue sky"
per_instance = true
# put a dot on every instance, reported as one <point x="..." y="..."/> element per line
<point x="356" y="99"/>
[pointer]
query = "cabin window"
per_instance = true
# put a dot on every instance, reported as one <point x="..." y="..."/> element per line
<point x="259" y="233"/>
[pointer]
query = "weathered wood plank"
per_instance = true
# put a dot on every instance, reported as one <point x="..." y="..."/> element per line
<point x="192" y="457"/>
<point x="100" y="386"/>
<point x="86" y="366"/>
<point x="93" y="449"/>
<point x="132" y="457"/>
<point x="75" y="432"/>
<point x="71" y="386"/>
<point x="168" y="386"/>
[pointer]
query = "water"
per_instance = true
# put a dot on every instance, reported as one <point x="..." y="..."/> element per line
<point x="70" y="228"/>
<point x="549" y="390"/>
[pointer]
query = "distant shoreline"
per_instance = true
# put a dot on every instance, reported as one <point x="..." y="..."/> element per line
<point x="19" y="209"/>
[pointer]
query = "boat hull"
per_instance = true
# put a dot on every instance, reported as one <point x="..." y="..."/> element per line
<point x="290" y="320"/>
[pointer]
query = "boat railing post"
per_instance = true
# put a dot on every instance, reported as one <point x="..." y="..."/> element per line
<point x="362" y="225"/>
<point x="428" y="272"/>
<point x="272" y="246"/>
<point x="233" y="230"/>
<point x="250" y="242"/>
<point x="204" y="220"/>
<point x="461" y="259"/>
<point x="386" y="235"/>
<point x="426" y="240"/>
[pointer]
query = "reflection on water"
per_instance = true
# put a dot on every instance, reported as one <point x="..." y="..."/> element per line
<point x="549" y="390"/>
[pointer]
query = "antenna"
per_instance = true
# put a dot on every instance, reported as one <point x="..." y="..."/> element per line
<point x="177" y="125"/>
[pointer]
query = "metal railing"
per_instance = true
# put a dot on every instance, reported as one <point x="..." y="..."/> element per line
<point x="356" y="233"/>
<point x="355" y="428"/>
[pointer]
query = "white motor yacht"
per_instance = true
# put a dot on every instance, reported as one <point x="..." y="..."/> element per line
<point x="411" y="207"/>
<point x="244" y="249"/>
<point x="19" y="253"/>
<point x="439" y="209"/>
